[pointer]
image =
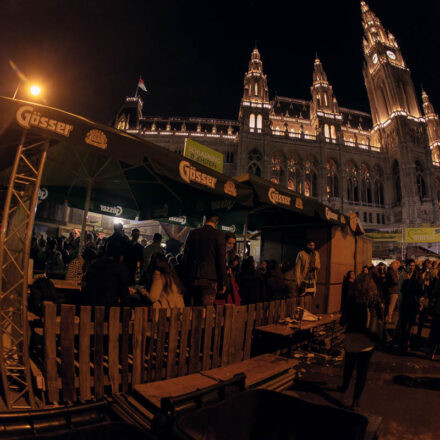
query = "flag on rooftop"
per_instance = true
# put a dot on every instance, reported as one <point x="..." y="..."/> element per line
<point x="141" y="84"/>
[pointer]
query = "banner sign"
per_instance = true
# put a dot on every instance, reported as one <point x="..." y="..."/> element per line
<point x="385" y="236"/>
<point x="422" y="235"/>
<point x="204" y="155"/>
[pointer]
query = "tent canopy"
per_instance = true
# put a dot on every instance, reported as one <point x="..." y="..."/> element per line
<point x="121" y="171"/>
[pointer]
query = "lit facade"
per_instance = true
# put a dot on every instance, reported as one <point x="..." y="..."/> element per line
<point x="385" y="166"/>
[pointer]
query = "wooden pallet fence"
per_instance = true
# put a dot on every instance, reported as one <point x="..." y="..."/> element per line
<point x="90" y="352"/>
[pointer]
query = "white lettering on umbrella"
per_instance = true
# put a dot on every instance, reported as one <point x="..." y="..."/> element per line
<point x="27" y="117"/>
<point x="275" y="197"/>
<point x="190" y="173"/>
<point x="116" y="210"/>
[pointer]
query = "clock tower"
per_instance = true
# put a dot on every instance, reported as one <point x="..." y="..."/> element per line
<point x="398" y="125"/>
<point x="388" y="80"/>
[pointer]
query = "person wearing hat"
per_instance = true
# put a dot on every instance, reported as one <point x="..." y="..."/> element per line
<point x="204" y="263"/>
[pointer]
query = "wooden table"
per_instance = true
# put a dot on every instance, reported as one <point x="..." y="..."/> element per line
<point x="283" y="331"/>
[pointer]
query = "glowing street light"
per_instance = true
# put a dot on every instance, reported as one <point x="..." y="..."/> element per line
<point x="35" y="90"/>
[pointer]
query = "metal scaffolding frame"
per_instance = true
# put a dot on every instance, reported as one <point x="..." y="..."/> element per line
<point x="15" y="238"/>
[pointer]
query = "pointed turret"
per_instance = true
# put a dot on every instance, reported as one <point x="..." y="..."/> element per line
<point x="324" y="111"/>
<point x="433" y="126"/>
<point x="255" y="81"/>
<point x="255" y="106"/>
<point x="428" y="108"/>
<point x="321" y="90"/>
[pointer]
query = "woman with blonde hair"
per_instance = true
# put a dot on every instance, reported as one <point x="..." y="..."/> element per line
<point x="163" y="289"/>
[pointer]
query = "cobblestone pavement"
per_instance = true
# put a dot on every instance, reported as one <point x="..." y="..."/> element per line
<point x="409" y="412"/>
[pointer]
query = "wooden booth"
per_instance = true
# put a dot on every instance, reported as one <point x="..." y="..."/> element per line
<point x="288" y="219"/>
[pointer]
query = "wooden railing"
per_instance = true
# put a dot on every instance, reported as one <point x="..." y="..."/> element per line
<point x="89" y="353"/>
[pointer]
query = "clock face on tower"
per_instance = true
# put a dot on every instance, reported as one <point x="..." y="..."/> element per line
<point x="391" y="55"/>
<point x="375" y="59"/>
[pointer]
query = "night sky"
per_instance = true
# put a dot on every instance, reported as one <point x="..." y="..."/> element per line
<point x="192" y="55"/>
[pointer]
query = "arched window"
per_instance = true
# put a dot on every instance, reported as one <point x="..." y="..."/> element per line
<point x="259" y="123"/>
<point x="294" y="173"/>
<point x="252" y="121"/>
<point x="325" y="99"/>
<point x="277" y="167"/>
<point x="256" y="89"/>
<point x="332" y="180"/>
<point x="333" y="133"/>
<point x="310" y="180"/>
<point x="396" y="182"/>
<point x="254" y="158"/>
<point x="366" y="193"/>
<point x="378" y="193"/>
<point x="352" y="183"/>
<point x="326" y="132"/>
<point x="420" y="180"/>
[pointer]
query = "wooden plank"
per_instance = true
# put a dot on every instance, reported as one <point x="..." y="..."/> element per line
<point x="207" y="338"/>
<point x="162" y="325"/>
<point x="146" y="331"/>
<point x="172" y="342"/>
<point x="182" y="368"/>
<point x="249" y="331"/>
<point x="238" y="329"/>
<point x="137" y="345"/>
<point x="152" y="345"/>
<point x="50" y="351"/>
<point x="85" y="385"/>
<point x="259" y="314"/>
<point x="113" y="348"/>
<point x="196" y="339"/>
<point x="283" y="306"/>
<point x="125" y="341"/>
<point x="264" y="319"/>
<point x="227" y="331"/>
<point x="277" y="311"/>
<point x="257" y="369"/>
<point x="217" y="336"/>
<point x="98" y="358"/>
<point x="153" y="392"/>
<point x="271" y="315"/>
<point x="67" y="345"/>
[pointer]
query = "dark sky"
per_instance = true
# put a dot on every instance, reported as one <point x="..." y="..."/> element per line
<point x="192" y="54"/>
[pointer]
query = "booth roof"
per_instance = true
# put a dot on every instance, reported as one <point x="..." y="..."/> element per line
<point x="124" y="172"/>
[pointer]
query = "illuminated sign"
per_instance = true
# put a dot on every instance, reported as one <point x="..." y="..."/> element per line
<point x="190" y="174"/>
<point x="330" y="215"/>
<point x="275" y="197"/>
<point x="203" y="155"/>
<point x="27" y="118"/>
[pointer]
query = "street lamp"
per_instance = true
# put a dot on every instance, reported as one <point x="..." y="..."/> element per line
<point x="35" y="90"/>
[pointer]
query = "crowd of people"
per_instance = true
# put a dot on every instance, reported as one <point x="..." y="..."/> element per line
<point x="412" y="290"/>
<point x="207" y="270"/>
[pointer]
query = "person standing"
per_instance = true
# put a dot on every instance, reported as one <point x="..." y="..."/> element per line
<point x="134" y="256"/>
<point x="347" y="289"/>
<point x="204" y="262"/>
<point x="410" y="293"/>
<point x="426" y="286"/>
<point x="307" y="266"/>
<point x="392" y="289"/>
<point x="152" y="249"/>
<point x="360" y="305"/>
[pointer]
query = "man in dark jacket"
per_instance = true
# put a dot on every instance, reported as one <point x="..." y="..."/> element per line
<point x="204" y="262"/>
<point x="106" y="281"/>
<point x="410" y="293"/>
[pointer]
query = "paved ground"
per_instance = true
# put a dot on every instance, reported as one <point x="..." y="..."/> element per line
<point x="408" y="412"/>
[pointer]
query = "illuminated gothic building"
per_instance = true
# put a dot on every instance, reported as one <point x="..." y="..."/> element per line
<point x="383" y="166"/>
